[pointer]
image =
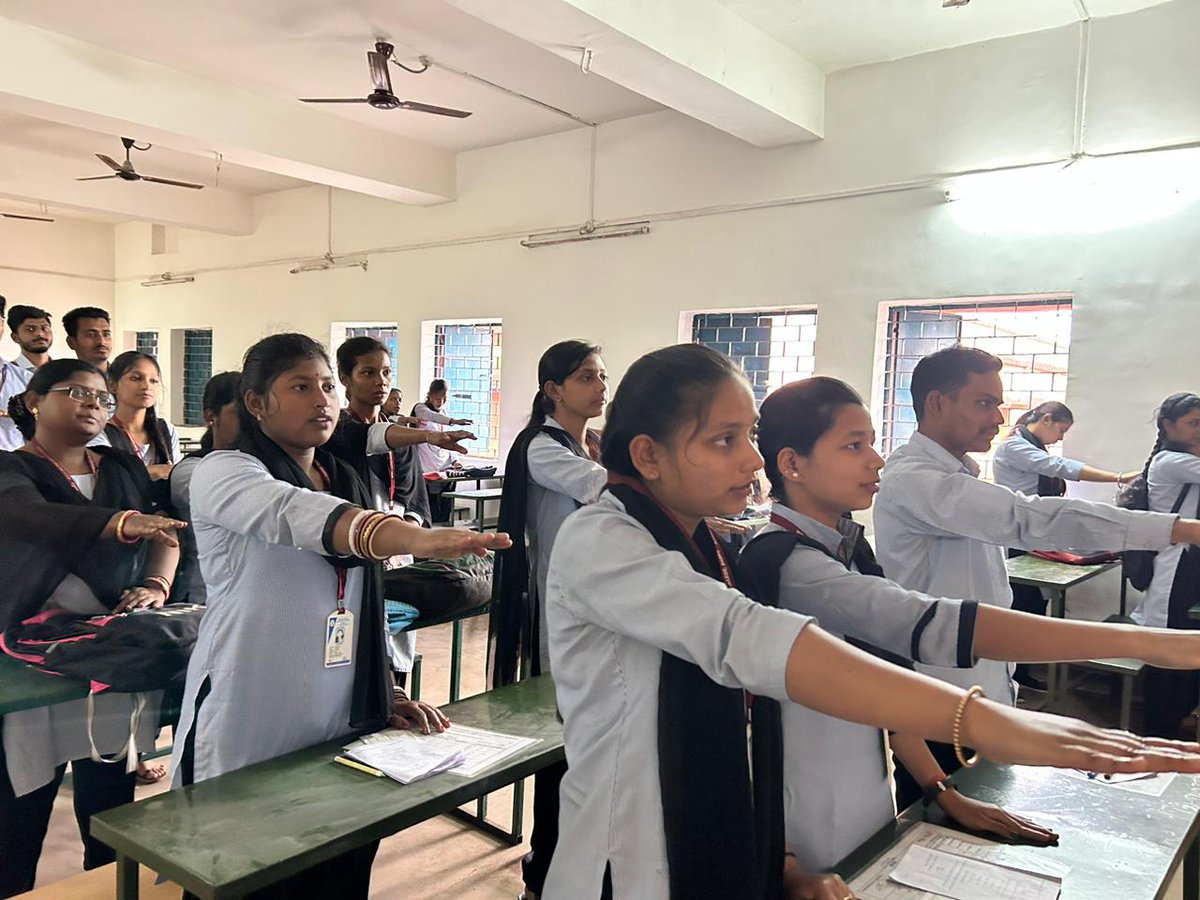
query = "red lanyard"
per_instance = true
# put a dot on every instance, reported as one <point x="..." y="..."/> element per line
<point x="129" y="434"/>
<point x="41" y="451"/>
<point x="340" y="570"/>
<point x="391" y="460"/>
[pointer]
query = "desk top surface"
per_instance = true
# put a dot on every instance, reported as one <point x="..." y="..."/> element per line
<point x="1117" y="843"/>
<point x="22" y="687"/>
<point x="1030" y="569"/>
<point x="249" y="828"/>
<point x="481" y="494"/>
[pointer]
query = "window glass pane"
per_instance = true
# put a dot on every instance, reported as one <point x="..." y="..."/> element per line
<point x="773" y="347"/>
<point x="197" y="369"/>
<point x="147" y="342"/>
<point x="468" y="358"/>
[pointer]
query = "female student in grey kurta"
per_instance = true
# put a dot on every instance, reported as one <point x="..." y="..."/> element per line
<point x="548" y="475"/>
<point x="273" y="526"/>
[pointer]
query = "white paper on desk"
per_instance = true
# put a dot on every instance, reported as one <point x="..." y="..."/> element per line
<point x="1151" y="785"/>
<point x="409" y="756"/>
<point x="960" y="878"/>
<point x="478" y="749"/>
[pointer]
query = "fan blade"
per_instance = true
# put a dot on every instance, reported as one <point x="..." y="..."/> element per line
<point x="109" y="161"/>
<point x="436" y="110"/>
<point x="97" y="177"/>
<point x="333" y="100"/>
<point x="172" y="182"/>
<point x="381" y="78"/>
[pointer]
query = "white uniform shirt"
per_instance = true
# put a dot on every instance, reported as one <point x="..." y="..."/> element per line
<point x="940" y="530"/>
<point x="1018" y="464"/>
<point x="835" y="783"/>
<point x="433" y="459"/>
<point x="13" y="381"/>
<point x="616" y="600"/>
<point x="1170" y="471"/>
<point x="23" y="362"/>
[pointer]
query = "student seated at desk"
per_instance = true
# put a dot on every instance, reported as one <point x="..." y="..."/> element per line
<point x="816" y="438"/>
<point x="942" y="531"/>
<point x="1172" y="479"/>
<point x="652" y="651"/>
<point x="548" y="475"/>
<point x="78" y="533"/>
<point x="291" y="650"/>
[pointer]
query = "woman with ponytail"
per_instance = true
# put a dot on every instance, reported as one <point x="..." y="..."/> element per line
<point x="135" y="427"/>
<point x="653" y="649"/>
<point x="79" y="532"/>
<point x="1172" y="482"/>
<point x="550" y="472"/>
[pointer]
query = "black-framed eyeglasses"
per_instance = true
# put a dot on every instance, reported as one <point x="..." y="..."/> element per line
<point x="85" y="395"/>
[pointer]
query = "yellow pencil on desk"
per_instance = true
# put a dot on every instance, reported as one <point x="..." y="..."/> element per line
<point x="349" y="763"/>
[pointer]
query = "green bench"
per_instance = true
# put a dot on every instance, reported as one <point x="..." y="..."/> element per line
<point x="247" y="829"/>
<point x="22" y="687"/>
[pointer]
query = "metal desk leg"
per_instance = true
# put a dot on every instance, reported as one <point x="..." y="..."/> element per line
<point x="1058" y="609"/>
<point x="1126" y="701"/>
<point x="1191" y="872"/>
<point x="456" y="660"/>
<point x="127" y="878"/>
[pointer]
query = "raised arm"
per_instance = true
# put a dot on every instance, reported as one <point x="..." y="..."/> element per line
<point x="557" y="469"/>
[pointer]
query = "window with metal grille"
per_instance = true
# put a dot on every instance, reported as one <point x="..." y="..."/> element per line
<point x="147" y="342"/>
<point x="467" y="356"/>
<point x="1031" y="336"/>
<point x="385" y="334"/>
<point x="197" y="369"/>
<point x="773" y="347"/>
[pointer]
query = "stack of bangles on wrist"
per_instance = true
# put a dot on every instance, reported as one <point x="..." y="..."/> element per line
<point x="970" y="695"/>
<point x="157" y="581"/>
<point x="363" y="529"/>
<point x="120" y="529"/>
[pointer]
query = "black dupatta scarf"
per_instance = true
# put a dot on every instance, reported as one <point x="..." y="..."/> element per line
<point x="349" y="444"/>
<point x="371" y="703"/>
<point x="514" y="625"/>
<point x="1048" y="485"/>
<point x="724" y="837"/>
<point x="49" y="530"/>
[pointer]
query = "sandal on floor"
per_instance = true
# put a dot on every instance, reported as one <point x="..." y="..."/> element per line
<point x="149" y="773"/>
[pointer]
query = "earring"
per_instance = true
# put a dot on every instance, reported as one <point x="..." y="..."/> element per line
<point x="35" y="412"/>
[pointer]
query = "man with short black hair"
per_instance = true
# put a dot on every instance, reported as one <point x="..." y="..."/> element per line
<point x="13" y="381"/>
<point x="89" y="334"/>
<point x="30" y="328"/>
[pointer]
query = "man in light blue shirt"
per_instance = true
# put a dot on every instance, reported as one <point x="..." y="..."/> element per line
<point x="13" y="380"/>
<point x="942" y="531"/>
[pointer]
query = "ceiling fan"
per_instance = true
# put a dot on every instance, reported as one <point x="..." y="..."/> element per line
<point x="125" y="170"/>
<point x="382" y="97"/>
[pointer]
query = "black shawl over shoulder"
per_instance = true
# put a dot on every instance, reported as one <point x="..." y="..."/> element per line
<point x="371" y="704"/>
<point x="49" y="530"/>
<point x="514" y="623"/>
<point x="349" y="444"/>
<point x="1048" y="485"/>
<point x="724" y="839"/>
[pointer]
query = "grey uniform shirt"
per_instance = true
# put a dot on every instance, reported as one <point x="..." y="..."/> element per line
<point x="1018" y="464"/>
<point x="616" y="600"/>
<point x="940" y="530"/>
<point x="836" y="788"/>
<point x="1170" y="472"/>
<point x="559" y="482"/>
<point x="13" y="381"/>
<point x="262" y="642"/>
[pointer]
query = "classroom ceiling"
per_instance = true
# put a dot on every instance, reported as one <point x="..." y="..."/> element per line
<point x="218" y="81"/>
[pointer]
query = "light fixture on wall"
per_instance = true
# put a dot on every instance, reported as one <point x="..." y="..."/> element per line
<point x="168" y="278"/>
<point x="30" y="217"/>
<point x="588" y="232"/>
<point x="947" y="4"/>
<point x="327" y="262"/>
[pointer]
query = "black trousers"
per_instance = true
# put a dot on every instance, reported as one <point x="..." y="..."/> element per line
<point x="908" y="790"/>
<point x="1026" y="599"/>
<point x="24" y="820"/>
<point x="441" y="500"/>
<point x="544" y="838"/>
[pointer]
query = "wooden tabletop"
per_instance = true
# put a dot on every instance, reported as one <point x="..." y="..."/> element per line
<point x="1030" y="569"/>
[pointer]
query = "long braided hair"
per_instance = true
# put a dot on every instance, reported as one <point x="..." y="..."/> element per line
<point x="1171" y="409"/>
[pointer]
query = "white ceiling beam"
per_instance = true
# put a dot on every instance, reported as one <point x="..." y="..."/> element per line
<point x="694" y="56"/>
<point x="24" y="176"/>
<point x="54" y="77"/>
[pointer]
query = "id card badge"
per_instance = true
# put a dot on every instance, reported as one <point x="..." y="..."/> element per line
<point x="339" y="640"/>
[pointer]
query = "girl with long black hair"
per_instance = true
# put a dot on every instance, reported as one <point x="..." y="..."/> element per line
<point x="79" y="532"/>
<point x="653" y="648"/>
<point x="135" y="379"/>
<point x="550" y="472"/>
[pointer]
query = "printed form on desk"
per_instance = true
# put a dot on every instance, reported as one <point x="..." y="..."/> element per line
<point x="930" y="862"/>
<point x="459" y="750"/>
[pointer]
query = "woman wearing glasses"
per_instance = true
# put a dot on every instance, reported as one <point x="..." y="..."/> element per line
<point x="78" y="533"/>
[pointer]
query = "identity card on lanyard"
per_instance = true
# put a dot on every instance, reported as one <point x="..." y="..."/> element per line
<point x="339" y="630"/>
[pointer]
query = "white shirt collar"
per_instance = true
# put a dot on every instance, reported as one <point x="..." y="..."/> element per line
<point x="931" y="449"/>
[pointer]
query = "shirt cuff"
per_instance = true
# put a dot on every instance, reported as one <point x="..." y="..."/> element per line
<point x="377" y="439"/>
<point x="1149" y="530"/>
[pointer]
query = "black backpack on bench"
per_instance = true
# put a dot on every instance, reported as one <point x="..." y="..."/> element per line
<point x="441" y="587"/>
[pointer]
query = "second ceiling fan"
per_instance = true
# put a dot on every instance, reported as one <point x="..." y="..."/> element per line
<point x="383" y="97"/>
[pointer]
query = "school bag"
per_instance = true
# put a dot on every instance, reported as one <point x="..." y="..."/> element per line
<point x="138" y="651"/>
<point x="1137" y="566"/>
<point x="441" y="587"/>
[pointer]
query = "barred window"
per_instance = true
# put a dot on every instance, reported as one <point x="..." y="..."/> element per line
<point x="773" y="347"/>
<point x="467" y="356"/>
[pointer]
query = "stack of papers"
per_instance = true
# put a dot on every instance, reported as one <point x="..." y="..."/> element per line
<point x="408" y="756"/>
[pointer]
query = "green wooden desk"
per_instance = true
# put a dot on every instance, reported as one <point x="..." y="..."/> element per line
<point x="1118" y="845"/>
<point x="245" y="830"/>
<point x="480" y="498"/>
<point x="24" y="688"/>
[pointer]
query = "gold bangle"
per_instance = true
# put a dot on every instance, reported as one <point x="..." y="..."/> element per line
<point x="369" y="538"/>
<point x="956" y="732"/>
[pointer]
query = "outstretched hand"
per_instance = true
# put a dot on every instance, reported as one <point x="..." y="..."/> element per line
<point x="450" y="543"/>
<point x="147" y="527"/>
<point x="976" y="815"/>
<point x="450" y="440"/>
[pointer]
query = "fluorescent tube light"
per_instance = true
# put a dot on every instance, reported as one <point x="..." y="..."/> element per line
<point x="327" y="262"/>
<point x="586" y="232"/>
<point x="168" y="278"/>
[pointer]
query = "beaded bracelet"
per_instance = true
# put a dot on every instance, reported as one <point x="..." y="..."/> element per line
<point x="956" y="733"/>
<point x="120" y="529"/>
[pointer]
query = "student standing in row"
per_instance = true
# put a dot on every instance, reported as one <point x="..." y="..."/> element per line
<point x="652" y="650"/>
<point x="817" y="440"/>
<point x="942" y="531"/>
<point x="290" y="550"/>
<point x="434" y="458"/>
<point x="30" y="328"/>
<point x="89" y="335"/>
<point x="548" y="475"/>
<point x="13" y="380"/>
<point x="78" y="533"/>
<point x="1172" y="474"/>
<point x="135" y="379"/>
